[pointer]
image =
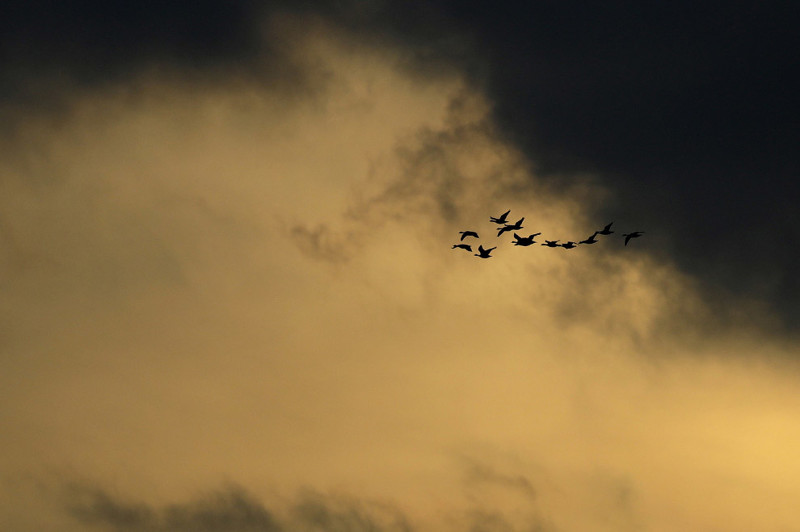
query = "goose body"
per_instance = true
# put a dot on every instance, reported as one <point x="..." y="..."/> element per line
<point x="500" y="219"/>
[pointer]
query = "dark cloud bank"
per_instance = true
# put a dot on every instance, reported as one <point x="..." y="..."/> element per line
<point x="685" y="110"/>
<point x="233" y="509"/>
<point x="229" y="509"/>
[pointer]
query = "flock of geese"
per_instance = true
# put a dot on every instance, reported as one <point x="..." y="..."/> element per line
<point x="502" y="221"/>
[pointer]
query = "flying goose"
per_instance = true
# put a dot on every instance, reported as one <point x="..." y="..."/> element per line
<point x="590" y="240"/>
<point x="606" y="230"/>
<point x="569" y="245"/>
<point x="500" y="219"/>
<point x="551" y="243"/>
<point x="484" y="253"/>
<point x="635" y="234"/>
<point x="515" y="227"/>
<point x="463" y="246"/>
<point x="525" y="240"/>
<point x="465" y="234"/>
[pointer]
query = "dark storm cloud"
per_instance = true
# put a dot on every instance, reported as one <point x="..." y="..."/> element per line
<point x="685" y="110"/>
<point x="97" y="39"/>
<point x="49" y="48"/>
<point x="46" y="45"/>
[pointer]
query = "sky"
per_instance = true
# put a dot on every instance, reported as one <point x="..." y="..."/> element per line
<point x="231" y="302"/>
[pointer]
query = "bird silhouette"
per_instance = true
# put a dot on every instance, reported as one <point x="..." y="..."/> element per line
<point x="465" y="234"/>
<point x="463" y="246"/>
<point x="551" y="243"/>
<point x="516" y="226"/>
<point x="504" y="229"/>
<point x="500" y="219"/>
<point x="525" y="240"/>
<point x="569" y="245"/>
<point x="590" y="240"/>
<point x="606" y="230"/>
<point x="635" y="234"/>
<point x="484" y="253"/>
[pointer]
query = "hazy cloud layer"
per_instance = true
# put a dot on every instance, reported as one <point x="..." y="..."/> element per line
<point x="219" y="280"/>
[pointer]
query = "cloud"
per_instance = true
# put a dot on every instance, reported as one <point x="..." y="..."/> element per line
<point x="483" y="473"/>
<point x="681" y="113"/>
<point x="319" y="512"/>
<point x="231" y="509"/>
<point x="234" y="509"/>
<point x="321" y="243"/>
<point x="214" y="280"/>
<point x="102" y="508"/>
<point x="675" y="124"/>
